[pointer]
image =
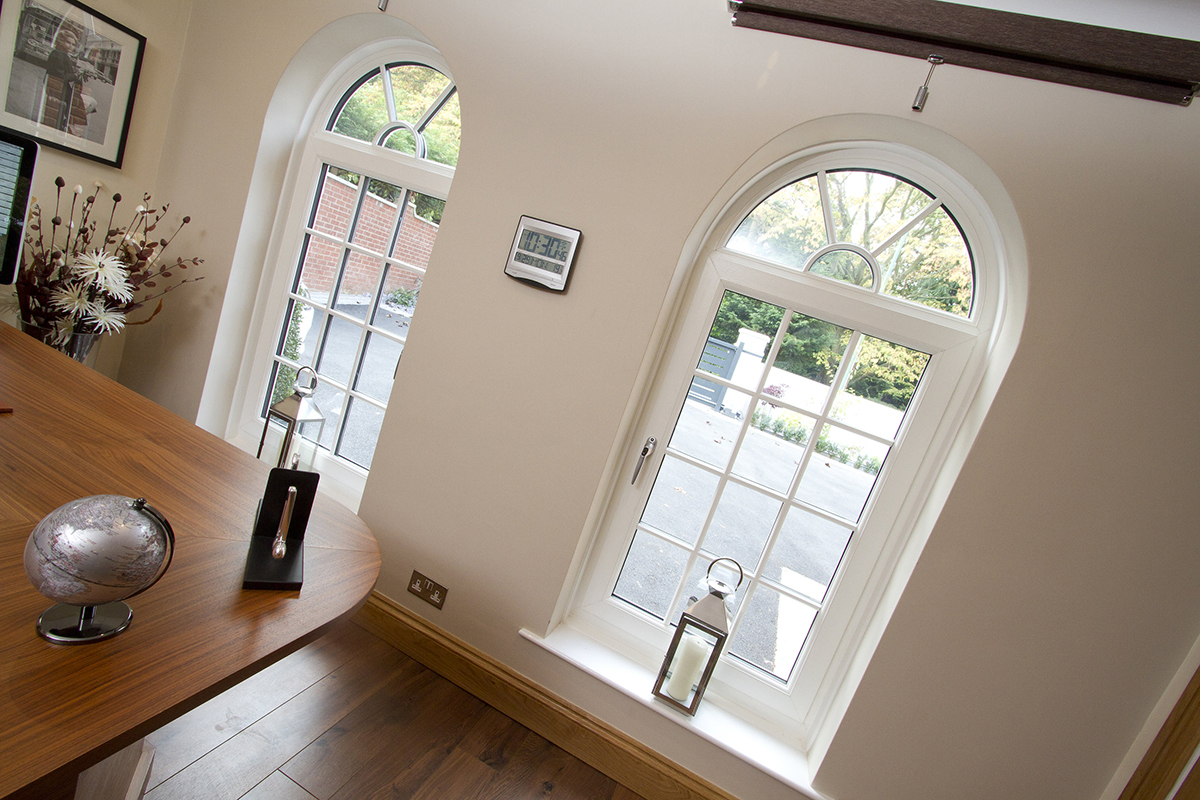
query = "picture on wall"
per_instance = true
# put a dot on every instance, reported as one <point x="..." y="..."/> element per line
<point x="68" y="75"/>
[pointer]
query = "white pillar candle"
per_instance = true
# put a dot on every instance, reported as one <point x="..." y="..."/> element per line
<point x="690" y="658"/>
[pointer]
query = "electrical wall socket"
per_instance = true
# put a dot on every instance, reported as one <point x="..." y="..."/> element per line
<point x="430" y="591"/>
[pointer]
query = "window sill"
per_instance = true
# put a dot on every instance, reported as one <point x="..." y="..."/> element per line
<point x="756" y="746"/>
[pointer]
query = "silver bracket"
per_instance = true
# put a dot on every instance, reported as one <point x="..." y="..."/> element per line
<point x="647" y="449"/>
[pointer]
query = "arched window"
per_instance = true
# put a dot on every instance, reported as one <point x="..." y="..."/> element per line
<point x="828" y="343"/>
<point x="371" y="188"/>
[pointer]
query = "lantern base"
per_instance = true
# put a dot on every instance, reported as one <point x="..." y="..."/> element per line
<point x="70" y="624"/>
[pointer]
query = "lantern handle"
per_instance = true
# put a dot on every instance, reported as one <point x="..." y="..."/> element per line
<point x="305" y="391"/>
<point x="741" y="573"/>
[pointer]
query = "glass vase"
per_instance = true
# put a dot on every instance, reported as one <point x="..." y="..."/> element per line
<point x="77" y="344"/>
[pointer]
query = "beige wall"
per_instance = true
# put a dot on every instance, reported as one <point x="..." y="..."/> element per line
<point x="1057" y="594"/>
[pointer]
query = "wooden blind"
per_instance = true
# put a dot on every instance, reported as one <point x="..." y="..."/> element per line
<point x="1106" y="59"/>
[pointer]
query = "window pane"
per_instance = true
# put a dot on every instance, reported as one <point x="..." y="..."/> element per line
<point x="442" y="133"/>
<point x="740" y="528"/>
<point x="846" y="266"/>
<point x="365" y="113"/>
<point x="299" y="341"/>
<point x="319" y="266"/>
<point x="786" y="228"/>
<point x="772" y="631"/>
<point x="363" y="422"/>
<point x="402" y="141"/>
<point x="868" y="207"/>
<point x="418" y="230"/>
<point x="414" y="89"/>
<point x="330" y="401"/>
<point x="931" y="265"/>
<point x="399" y="301"/>
<point x="377" y="217"/>
<point x="807" y="363"/>
<point x="361" y="276"/>
<point x="841" y="473"/>
<point x="704" y="432"/>
<point x="807" y="553"/>
<point x="773" y="447"/>
<point x="741" y="336"/>
<point x="335" y="206"/>
<point x="378" y="366"/>
<point x="880" y="387"/>
<point x="339" y="350"/>
<point x="680" y="500"/>
<point x="651" y="572"/>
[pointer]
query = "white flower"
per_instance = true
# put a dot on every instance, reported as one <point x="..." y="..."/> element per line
<point x="72" y="298"/>
<point x="104" y="271"/>
<point x="107" y="320"/>
<point x="78" y="189"/>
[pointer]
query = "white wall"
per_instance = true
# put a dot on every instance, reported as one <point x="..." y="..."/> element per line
<point x="1056" y="596"/>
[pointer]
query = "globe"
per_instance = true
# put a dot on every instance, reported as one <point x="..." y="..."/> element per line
<point x="90" y="555"/>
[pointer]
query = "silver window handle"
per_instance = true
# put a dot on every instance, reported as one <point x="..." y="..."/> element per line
<point x="647" y="449"/>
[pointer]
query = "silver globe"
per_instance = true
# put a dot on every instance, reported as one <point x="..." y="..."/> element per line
<point x="91" y="554"/>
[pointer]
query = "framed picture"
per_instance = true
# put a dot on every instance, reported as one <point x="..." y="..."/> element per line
<point x="68" y="76"/>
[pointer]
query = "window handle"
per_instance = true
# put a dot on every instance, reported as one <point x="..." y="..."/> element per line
<point x="647" y="449"/>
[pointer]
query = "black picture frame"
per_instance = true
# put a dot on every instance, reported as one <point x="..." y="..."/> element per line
<point x="68" y="75"/>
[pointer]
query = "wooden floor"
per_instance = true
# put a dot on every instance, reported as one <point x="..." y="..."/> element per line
<point x="350" y="716"/>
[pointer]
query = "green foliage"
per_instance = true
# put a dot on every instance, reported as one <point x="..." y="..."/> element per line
<point x="403" y="296"/>
<point x="793" y="428"/>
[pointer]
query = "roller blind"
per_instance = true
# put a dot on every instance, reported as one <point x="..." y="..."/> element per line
<point x="1141" y="65"/>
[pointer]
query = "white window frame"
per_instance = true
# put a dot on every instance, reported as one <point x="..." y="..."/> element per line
<point x="340" y="477"/>
<point x="959" y="351"/>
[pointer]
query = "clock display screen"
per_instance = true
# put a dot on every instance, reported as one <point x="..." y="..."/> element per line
<point x="550" y="266"/>
<point x="539" y="244"/>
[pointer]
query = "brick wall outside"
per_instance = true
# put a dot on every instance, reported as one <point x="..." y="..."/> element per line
<point x="374" y="231"/>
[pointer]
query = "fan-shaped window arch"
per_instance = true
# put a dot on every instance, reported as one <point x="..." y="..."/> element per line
<point x="867" y="228"/>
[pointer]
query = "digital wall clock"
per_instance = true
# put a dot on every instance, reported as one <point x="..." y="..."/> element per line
<point x="542" y="253"/>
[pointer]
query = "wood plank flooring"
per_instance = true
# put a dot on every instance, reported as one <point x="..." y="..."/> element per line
<point x="351" y="718"/>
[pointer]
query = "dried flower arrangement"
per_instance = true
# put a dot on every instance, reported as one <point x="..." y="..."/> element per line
<point x="88" y="282"/>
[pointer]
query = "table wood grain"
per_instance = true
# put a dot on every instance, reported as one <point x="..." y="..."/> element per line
<point x="195" y="633"/>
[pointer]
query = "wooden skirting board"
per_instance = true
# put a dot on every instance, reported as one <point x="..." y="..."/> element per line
<point x="622" y="758"/>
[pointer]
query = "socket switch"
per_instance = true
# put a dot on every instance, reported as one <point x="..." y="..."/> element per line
<point x="428" y="590"/>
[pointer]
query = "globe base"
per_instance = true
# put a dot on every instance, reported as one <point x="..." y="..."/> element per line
<point x="70" y="624"/>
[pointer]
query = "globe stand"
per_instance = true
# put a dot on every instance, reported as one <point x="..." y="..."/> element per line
<point x="70" y="624"/>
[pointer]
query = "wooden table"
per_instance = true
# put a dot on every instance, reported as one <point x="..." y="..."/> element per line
<point x="196" y="633"/>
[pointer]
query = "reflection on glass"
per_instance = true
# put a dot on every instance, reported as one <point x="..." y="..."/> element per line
<point x="868" y="207"/>
<point x="881" y="386"/>
<point x="772" y="632"/>
<point x="377" y="215"/>
<point x="299" y="340"/>
<point x="680" y="501"/>
<point x="807" y="362"/>
<point x="705" y="433"/>
<point x="739" y="340"/>
<point x="339" y="194"/>
<point x="807" y="553"/>
<point x="696" y="587"/>
<point x="319" y="265"/>
<point x="380" y="357"/>
<point x="741" y="525"/>
<point x="846" y="266"/>
<point x="650" y="574"/>
<point x="840" y="475"/>
<point x="338" y="350"/>
<point x="773" y="447"/>
<point x="359" y="280"/>
<point x="442" y="133"/>
<point x="363" y="422"/>
<point x="786" y="228"/>
<point x="414" y="89"/>
<point x="364" y="113"/>
<point x="931" y="265"/>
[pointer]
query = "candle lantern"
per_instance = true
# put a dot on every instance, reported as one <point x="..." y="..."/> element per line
<point x="295" y="410"/>
<point x="697" y="644"/>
